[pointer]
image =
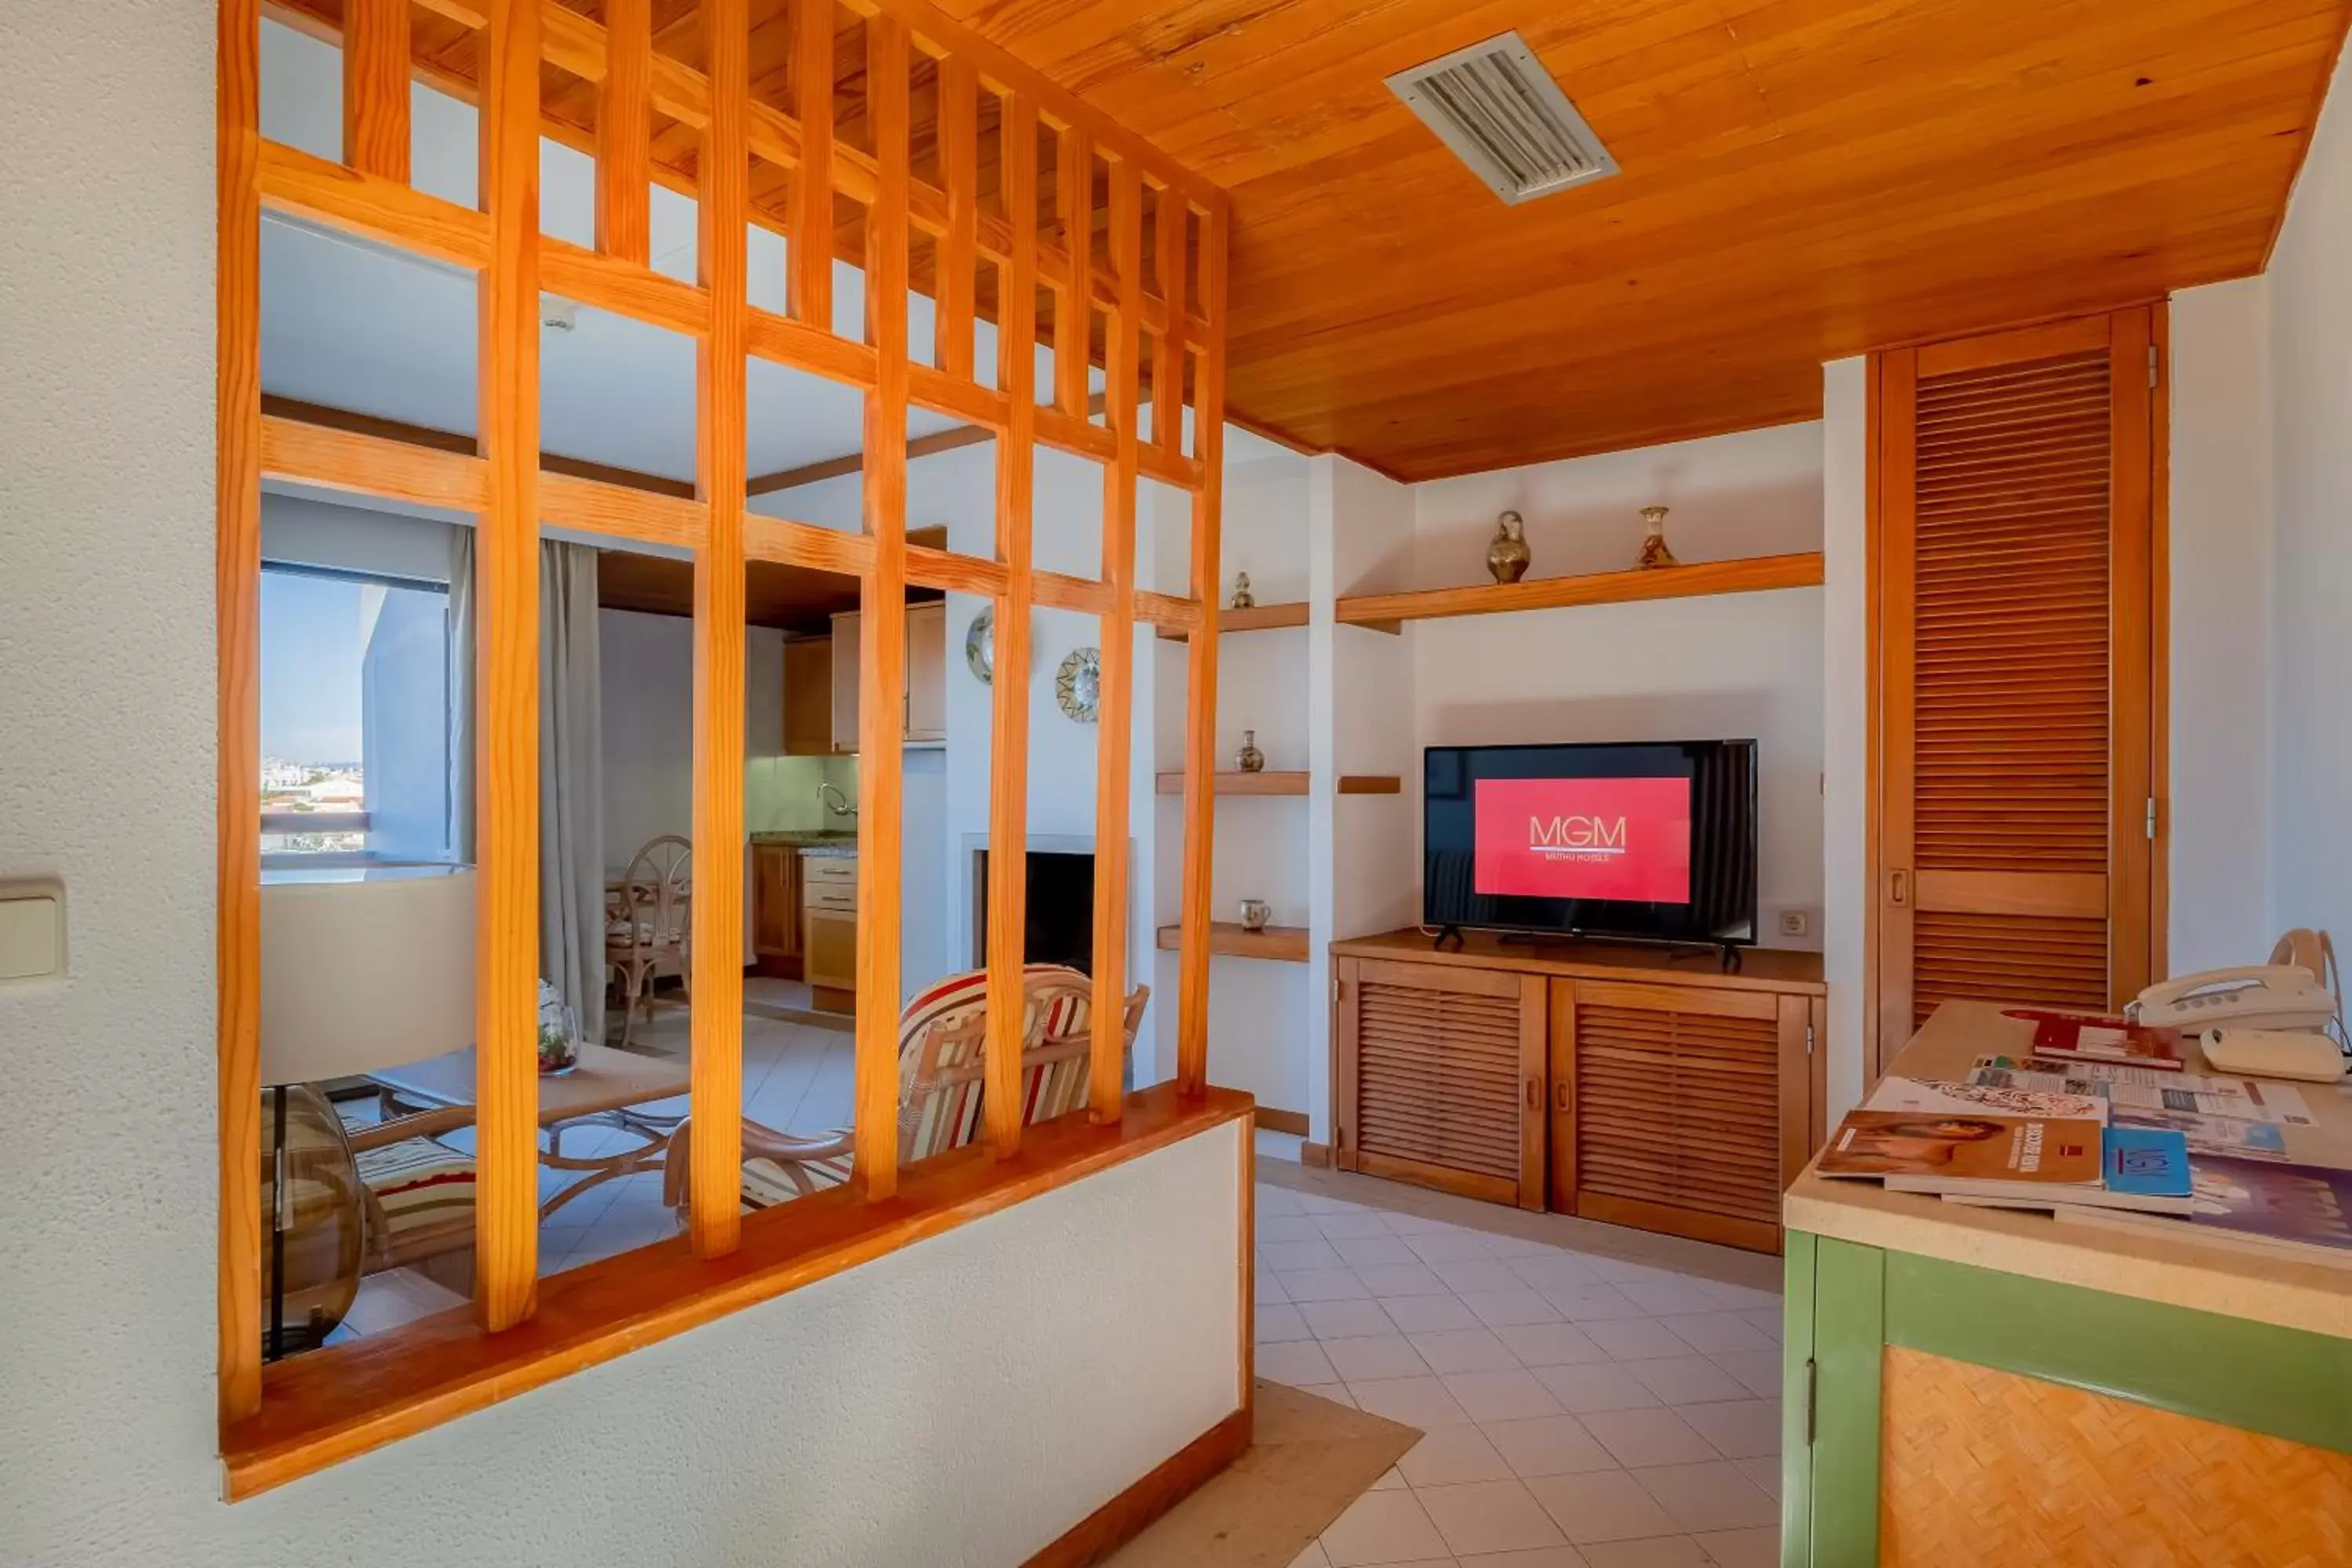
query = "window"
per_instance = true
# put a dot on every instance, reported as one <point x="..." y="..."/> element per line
<point x="354" y="717"/>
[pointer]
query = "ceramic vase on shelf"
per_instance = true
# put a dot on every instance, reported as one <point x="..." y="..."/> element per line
<point x="1255" y="914"/>
<point x="1655" y="553"/>
<point x="1507" y="552"/>
<point x="1250" y="760"/>
<point x="1243" y="598"/>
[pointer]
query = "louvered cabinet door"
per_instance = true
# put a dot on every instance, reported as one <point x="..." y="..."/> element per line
<point x="1439" y="1077"/>
<point x="1678" y="1109"/>
<point x="2017" y="778"/>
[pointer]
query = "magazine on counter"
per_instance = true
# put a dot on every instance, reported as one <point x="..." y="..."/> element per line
<point x="2079" y="1037"/>
<point x="2301" y="1213"/>
<point x="2008" y="1099"/>
<point x="2141" y="1168"/>
<point x="2137" y="1088"/>
<point x="1973" y="1145"/>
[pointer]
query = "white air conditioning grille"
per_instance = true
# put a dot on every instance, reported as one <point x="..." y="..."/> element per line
<point x="1506" y="118"/>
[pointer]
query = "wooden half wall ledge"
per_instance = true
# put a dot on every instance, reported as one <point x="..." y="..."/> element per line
<point x="334" y="1405"/>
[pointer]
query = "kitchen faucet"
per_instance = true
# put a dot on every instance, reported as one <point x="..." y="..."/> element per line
<point x="830" y="795"/>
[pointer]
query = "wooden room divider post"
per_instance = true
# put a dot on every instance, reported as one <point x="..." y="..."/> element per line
<point x="1115" y="744"/>
<point x="882" y="629"/>
<point x="237" y="588"/>
<point x="1016" y="460"/>
<point x="506" y="682"/>
<point x="716" y="1021"/>
<point x="1201" y="699"/>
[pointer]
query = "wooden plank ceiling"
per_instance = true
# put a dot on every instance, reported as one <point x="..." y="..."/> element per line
<point x="1802" y="180"/>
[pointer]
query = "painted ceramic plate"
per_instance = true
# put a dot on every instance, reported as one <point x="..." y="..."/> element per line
<point x="1077" y="685"/>
<point x="980" y="645"/>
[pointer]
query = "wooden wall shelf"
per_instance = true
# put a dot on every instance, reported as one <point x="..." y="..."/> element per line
<point x="1274" y="782"/>
<point x="1747" y="577"/>
<point x="1266" y="618"/>
<point x="1286" y="944"/>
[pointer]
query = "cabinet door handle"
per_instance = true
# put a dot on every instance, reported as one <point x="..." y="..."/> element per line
<point x="1898" y="887"/>
<point x="1535" y="1094"/>
<point x="1559" y="1098"/>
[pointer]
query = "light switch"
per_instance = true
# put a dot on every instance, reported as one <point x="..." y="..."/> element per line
<point x="32" y="931"/>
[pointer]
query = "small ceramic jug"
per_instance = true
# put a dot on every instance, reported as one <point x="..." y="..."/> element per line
<point x="1250" y="759"/>
<point x="1506" y="554"/>
<point x="1255" y="913"/>
<point x="1654" y="540"/>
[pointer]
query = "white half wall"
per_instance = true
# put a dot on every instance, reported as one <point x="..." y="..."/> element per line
<point x="2311" y="401"/>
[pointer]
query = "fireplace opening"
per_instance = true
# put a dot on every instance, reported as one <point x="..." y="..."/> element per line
<point x="1060" y="928"/>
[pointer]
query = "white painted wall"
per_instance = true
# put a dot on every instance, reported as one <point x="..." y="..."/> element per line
<point x="1845" y="737"/>
<point x="2223" y="558"/>
<point x="1365" y="849"/>
<point x="2311" y="400"/>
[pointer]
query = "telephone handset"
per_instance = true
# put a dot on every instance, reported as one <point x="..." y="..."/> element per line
<point x="2288" y="993"/>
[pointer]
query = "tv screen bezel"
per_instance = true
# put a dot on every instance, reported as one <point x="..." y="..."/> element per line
<point x="1602" y="930"/>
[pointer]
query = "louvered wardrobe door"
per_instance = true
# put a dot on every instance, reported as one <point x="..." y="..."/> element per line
<point x="1440" y="1077"/>
<point x="2016" y="802"/>
<point x="1677" y="1099"/>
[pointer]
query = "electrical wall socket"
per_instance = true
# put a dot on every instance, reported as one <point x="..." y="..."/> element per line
<point x="1797" y="921"/>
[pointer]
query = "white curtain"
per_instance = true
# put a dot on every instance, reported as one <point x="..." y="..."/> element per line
<point x="571" y="784"/>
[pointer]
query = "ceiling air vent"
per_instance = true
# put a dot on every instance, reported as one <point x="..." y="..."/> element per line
<point x="1504" y="117"/>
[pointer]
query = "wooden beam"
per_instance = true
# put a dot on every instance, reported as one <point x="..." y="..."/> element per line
<point x="376" y="87"/>
<point x="1200" y="677"/>
<point x="625" y="133"/>
<point x="716" y="1175"/>
<point x="960" y="173"/>
<point x="1171" y="218"/>
<point x="1008" y="798"/>
<point x="294" y="410"/>
<point x="236" y="590"/>
<point x="1074" y="212"/>
<point x="917" y="446"/>
<point x="882" y="629"/>
<point x="506" y="682"/>
<point x="810" y="242"/>
<point x="1115" y="743"/>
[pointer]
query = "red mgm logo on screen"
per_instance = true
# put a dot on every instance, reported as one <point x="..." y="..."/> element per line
<point x="1623" y="839"/>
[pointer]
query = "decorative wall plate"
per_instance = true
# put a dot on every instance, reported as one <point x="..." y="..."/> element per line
<point x="980" y="645"/>
<point x="1077" y="685"/>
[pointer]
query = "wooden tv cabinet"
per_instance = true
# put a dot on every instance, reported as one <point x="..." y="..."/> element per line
<point x="1618" y="1081"/>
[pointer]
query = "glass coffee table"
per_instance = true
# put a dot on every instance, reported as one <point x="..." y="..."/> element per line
<point x="607" y="1089"/>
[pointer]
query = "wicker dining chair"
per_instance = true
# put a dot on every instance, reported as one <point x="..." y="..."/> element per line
<point x="942" y="1036"/>
<point x="647" y="923"/>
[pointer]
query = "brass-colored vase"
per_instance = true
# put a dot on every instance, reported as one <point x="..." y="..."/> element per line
<point x="1507" y="552"/>
<point x="1243" y="598"/>
<point x="1251" y="760"/>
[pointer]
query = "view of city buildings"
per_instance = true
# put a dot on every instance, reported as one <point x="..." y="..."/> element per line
<point x="335" y="793"/>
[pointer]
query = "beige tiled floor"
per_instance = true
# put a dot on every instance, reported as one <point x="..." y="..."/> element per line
<point x="1584" y="1409"/>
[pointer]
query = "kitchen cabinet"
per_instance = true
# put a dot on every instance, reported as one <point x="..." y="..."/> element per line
<point x="776" y="907"/>
<point x="924" y="696"/>
<point x="829" y="930"/>
<point x="808" y="697"/>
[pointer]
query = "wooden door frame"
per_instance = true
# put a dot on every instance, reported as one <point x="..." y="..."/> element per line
<point x="1875" y="1046"/>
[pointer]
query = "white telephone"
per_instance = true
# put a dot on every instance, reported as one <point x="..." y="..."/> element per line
<point x="2288" y="993"/>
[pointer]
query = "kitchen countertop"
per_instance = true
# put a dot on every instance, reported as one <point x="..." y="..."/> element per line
<point x="806" y="838"/>
<point x="844" y="850"/>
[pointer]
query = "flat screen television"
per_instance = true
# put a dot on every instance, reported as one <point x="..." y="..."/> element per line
<point x="1651" y="840"/>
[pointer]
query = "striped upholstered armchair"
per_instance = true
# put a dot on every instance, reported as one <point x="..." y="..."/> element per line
<point x="942" y="1034"/>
